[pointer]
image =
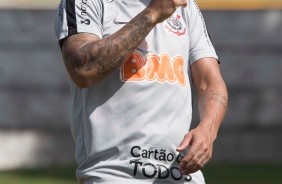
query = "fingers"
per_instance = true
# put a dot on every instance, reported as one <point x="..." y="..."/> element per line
<point x="198" y="162"/>
<point x="191" y="158"/>
<point x="164" y="8"/>
<point x="180" y="3"/>
<point x="185" y="142"/>
<point x="199" y="152"/>
<point x="196" y="148"/>
<point x="198" y="155"/>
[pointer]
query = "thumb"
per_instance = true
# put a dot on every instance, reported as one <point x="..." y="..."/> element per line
<point x="185" y="142"/>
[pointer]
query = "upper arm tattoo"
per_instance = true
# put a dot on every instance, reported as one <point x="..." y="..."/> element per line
<point x="106" y="55"/>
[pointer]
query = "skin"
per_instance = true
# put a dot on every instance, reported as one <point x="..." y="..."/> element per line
<point x="212" y="103"/>
<point x="89" y="59"/>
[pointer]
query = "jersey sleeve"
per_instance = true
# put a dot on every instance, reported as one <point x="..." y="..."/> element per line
<point x="200" y="43"/>
<point x="79" y="16"/>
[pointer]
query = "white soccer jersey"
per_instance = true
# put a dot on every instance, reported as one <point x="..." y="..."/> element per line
<point x="127" y="126"/>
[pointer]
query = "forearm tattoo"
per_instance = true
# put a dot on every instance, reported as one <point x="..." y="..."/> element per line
<point x="108" y="54"/>
<point x="218" y="97"/>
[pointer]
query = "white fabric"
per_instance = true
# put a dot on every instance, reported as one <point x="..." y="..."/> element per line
<point x="127" y="126"/>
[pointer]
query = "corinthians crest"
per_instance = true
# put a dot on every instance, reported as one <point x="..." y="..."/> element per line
<point x="175" y="26"/>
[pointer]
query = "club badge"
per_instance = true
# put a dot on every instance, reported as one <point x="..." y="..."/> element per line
<point x="173" y="25"/>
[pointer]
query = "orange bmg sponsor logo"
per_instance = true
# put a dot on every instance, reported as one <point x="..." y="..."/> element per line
<point x="160" y="68"/>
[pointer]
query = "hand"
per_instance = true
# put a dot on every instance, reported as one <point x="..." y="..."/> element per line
<point x="162" y="9"/>
<point x="200" y="151"/>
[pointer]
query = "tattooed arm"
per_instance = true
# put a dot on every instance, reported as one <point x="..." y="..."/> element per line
<point x="89" y="59"/>
<point x="212" y="102"/>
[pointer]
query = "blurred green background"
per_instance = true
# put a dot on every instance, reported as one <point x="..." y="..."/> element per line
<point x="35" y="142"/>
<point x="214" y="174"/>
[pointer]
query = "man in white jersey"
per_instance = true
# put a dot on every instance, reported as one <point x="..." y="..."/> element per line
<point x="131" y="63"/>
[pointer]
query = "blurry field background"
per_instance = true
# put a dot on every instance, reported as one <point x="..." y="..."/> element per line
<point x="35" y="142"/>
<point x="214" y="174"/>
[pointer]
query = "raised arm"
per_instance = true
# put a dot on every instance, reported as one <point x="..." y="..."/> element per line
<point x="212" y="103"/>
<point x="89" y="59"/>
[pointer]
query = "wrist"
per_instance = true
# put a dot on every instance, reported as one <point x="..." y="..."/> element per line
<point x="153" y="15"/>
<point x="211" y="129"/>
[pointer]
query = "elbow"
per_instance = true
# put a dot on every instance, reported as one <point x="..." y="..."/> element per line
<point x="82" y="74"/>
<point x="202" y="87"/>
<point x="215" y="84"/>
<point x="84" y="79"/>
<point x="82" y="83"/>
